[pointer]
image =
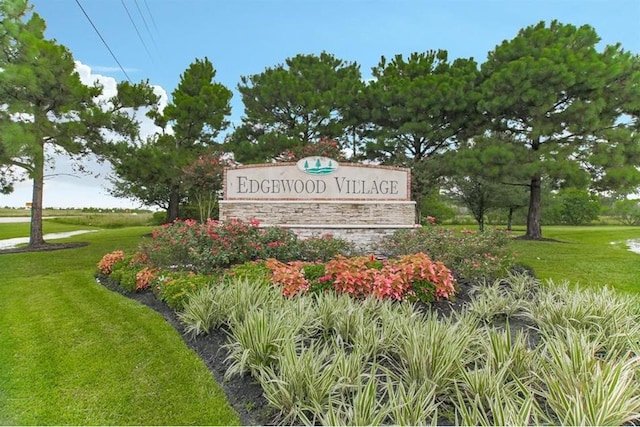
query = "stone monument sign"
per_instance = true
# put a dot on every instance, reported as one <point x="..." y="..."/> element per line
<point x="318" y="195"/>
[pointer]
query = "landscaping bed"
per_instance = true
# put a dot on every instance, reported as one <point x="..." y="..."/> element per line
<point x="388" y="339"/>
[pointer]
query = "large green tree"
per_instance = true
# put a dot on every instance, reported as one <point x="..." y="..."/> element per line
<point x="152" y="170"/>
<point x="295" y="104"/>
<point x="570" y="108"/>
<point x="47" y="108"/>
<point x="420" y="105"/>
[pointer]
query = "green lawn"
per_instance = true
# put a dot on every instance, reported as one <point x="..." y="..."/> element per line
<point x="587" y="256"/>
<point x="74" y="353"/>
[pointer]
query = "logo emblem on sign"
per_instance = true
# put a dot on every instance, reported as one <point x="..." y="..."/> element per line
<point x="317" y="165"/>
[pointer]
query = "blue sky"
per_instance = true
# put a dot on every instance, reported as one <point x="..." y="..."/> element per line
<point x="243" y="37"/>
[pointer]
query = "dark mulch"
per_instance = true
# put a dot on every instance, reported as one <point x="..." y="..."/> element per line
<point x="542" y="239"/>
<point x="44" y="248"/>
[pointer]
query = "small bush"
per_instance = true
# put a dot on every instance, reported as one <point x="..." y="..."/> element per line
<point x="175" y="290"/>
<point x="471" y="254"/>
<point x="253" y="271"/>
<point x="323" y="248"/>
<point x="105" y="266"/>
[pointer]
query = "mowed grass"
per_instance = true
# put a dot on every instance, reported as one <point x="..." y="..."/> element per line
<point x="75" y="353"/>
<point x="585" y="256"/>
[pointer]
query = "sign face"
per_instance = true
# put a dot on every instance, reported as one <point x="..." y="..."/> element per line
<point x="317" y="178"/>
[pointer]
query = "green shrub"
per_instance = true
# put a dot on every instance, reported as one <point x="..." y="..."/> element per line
<point x="175" y="290"/>
<point x="573" y="207"/>
<point x="253" y="271"/>
<point x="118" y="268"/>
<point x="322" y="248"/>
<point x="159" y="218"/>
<point x="470" y="254"/>
<point x="627" y="211"/>
<point x="128" y="278"/>
<point x="314" y="274"/>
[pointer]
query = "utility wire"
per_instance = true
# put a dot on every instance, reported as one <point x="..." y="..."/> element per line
<point x="145" y="24"/>
<point x="136" y="28"/>
<point x="103" y="41"/>
<point x="151" y="15"/>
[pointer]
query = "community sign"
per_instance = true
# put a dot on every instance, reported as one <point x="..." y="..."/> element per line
<point x="317" y="178"/>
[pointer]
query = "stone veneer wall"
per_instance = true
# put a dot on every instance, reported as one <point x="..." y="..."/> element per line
<point x="361" y="222"/>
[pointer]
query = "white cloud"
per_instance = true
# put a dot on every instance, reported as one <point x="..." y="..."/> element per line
<point x="65" y="187"/>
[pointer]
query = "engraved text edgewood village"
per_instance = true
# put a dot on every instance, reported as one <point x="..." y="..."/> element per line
<point x="343" y="182"/>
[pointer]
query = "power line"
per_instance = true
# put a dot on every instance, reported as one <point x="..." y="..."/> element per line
<point x="103" y="40"/>
<point x="136" y="28"/>
<point x="151" y="15"/>
<point x="145" y="24"/>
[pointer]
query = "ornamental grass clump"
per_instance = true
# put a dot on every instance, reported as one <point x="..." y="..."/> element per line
<point x="602" y="315"/>
<point x="203" y="310"/>
<point x="493" y="302"/>
<point x="303" y="379"/>
<point x="434" y="351"/>
<point x="580" y="387"/>
<point x="259" y="339"/>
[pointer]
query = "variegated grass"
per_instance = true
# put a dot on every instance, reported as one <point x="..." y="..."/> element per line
<point x="204" y="311"/>
<point x="507" y="349"/>
<point x="580" y="387"/>
<point x="243" y="296"/>
<point x="221" y="303"/>
<point x="493" y="388"/>
<point x="522" y="285"/>
<point x="434" y="351"/>
<point x="601" y="314"/>
<point x="498" y="407"/>
<point x="412" y="404"/>
<point x="300" y="386"/>
<point x="328" y="359"/>
<point x="494" y="301"/>
<point x="365" y="405"/>
<point x="257" y="341"/>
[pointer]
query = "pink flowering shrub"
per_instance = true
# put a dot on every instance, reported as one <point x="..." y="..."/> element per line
<point x="411" y="277"/>
<point x="470" y="254"/>
<point x="206" y="247"/>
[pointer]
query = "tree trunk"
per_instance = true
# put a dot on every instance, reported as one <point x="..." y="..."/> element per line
<point x="510" y="219"/>
<point x="534" y="216"/>
<point x="174" y="205"/>
<point x="36" y="237"/>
